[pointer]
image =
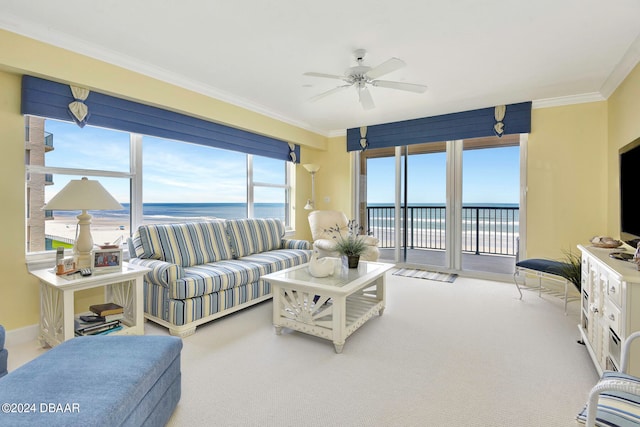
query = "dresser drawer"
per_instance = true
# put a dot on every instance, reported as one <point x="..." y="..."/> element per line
<point x="614" y="291"/>
<point x="612" y="316"/>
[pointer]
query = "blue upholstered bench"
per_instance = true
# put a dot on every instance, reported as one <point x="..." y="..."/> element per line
<point x="96" y="381"/>
<point x="544" y="268"/>
<point x="4" y="354"/>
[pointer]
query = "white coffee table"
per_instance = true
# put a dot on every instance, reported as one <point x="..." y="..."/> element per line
<point x="331" y="307"/>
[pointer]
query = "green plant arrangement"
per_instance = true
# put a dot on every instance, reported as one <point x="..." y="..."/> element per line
<point x="572" y="269"/>
<point x="351" y="243"/>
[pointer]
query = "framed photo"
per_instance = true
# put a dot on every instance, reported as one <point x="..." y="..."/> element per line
<point x="106" y="260"/>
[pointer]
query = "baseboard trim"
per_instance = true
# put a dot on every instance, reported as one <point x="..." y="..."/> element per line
<point x="22" y="335"/>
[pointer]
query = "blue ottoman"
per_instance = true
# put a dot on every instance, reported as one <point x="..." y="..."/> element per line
<point x="96" y="381"/>
<point x="4" y="354"/>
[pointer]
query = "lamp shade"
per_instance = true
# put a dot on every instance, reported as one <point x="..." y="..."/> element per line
<point x="311" y="167"/>
<point x="83" y="194"/>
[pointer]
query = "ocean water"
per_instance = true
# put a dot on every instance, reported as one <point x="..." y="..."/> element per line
<point x="422" y="216"/>
<point x="171" y="212"/>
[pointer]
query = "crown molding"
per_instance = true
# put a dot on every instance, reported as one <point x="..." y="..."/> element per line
<point x="568" y="100"/>
<point x="622" y="70"/>
<point x="55" y="38"/>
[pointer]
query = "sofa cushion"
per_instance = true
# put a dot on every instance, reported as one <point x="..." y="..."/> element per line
<point x="185" y="244"/>
<point x="213" y="277"/>
<point x="279" y="259"/>
<point x="255" y="235"/>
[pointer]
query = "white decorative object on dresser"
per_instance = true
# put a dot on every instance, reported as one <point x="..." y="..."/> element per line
<point x="610" y="309"/>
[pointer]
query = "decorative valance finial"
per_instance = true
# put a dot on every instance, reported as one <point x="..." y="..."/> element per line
<point x="363" y="138"/>
<point x="499" y="114"/>
<point x="78" y="109"/>
<point x="292" y="153"/>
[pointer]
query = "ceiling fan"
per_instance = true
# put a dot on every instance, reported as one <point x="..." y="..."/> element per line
<point x="362" y="76"/>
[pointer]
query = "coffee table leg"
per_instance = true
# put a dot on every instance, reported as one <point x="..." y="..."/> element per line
<point x="381" y="311"/>
<point x="278" y="330"/>
<point x="338" y="347"/>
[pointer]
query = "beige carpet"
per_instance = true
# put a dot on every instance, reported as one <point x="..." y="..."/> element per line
<point x="462" y="354"/>
<point x="467" y="353"/>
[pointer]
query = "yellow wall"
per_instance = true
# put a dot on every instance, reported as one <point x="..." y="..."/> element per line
<point x="332" y="186"/>
<point x="566" y="176"/>
<point x="624" y="127"/>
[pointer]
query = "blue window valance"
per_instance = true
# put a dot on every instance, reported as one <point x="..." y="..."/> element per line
<point x="50" y="99"/>
<point x="502" y="120"/>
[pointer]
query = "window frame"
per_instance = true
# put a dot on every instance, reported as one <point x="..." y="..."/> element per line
<point x="37" y="259"/>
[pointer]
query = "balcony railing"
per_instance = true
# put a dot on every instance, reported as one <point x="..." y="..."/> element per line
<point x="485" y="229"/>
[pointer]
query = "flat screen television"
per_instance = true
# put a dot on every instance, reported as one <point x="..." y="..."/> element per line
<point x="630" y="193"/>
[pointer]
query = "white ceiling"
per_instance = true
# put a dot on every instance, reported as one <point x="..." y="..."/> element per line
<point x="470" y="53"/>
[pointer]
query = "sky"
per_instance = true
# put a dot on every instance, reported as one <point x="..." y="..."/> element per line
<point x="189" y="173"/>
<point x="490" y="175"/>
<point x="172" y="172"/>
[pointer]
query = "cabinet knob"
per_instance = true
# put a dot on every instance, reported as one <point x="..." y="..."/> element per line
<point x="612" y="290"/>
<point x="612" y="317"/>
<point x="594" y="308"/>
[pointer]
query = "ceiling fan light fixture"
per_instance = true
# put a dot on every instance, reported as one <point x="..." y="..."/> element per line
<point x="362" y="76"/>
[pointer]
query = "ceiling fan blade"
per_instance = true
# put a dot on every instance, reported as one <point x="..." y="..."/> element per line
<point x="323" y="75"/>
<point x="365" y="99"/>
<point x="385" y="68"/>
<point x="329" y="92"/>
<point x="410" y="87"/>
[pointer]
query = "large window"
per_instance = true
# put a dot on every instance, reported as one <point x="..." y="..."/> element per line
<point x="156" y="180"/>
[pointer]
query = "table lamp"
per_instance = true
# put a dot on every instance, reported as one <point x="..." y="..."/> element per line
<point x="83" y="194"/>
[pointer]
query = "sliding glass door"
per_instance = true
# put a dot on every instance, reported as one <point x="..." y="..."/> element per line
<point x="447" y="206"/>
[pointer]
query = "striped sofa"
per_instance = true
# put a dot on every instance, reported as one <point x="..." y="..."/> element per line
<point x="203" y="270"/>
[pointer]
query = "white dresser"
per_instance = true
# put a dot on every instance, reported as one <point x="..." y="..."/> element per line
<point x="610" y="307"/>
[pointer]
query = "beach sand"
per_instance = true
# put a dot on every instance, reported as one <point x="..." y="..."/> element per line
<point x="103" y="230"/>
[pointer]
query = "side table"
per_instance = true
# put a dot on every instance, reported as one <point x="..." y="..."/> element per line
<point x="57" y="294"/>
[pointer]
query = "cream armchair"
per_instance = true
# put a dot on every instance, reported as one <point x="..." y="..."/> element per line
<point x="323" y="241"/>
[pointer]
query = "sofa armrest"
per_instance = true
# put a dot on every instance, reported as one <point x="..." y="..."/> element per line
<point x="295" y="244"/>
<point x="162" y="273"/>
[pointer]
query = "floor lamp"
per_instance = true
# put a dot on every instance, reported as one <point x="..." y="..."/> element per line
<point x="82" y="195"/>
<point x="312" y="169"/>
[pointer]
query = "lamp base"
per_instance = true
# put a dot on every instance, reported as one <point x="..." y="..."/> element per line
<point x="82" y="260"/>
<point x="84" y="242"/>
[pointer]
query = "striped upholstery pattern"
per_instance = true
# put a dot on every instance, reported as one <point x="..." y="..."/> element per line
<point x="616" y="408"/>
<point x="250" y="236"/>
<point x="185" y="244"/>
<point x="213" y="277"/>
<point x="161" y="272"/>
<point x="296" y="244"/>
<point x="202" y="269"/>
<point x="279" y="259"/>
<point x="181" y="312"/>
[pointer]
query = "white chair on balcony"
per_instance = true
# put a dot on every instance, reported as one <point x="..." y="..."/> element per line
<point x="323" y="239"/>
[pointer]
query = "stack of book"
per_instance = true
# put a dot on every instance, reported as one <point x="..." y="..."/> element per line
<point x="104" y="319"/>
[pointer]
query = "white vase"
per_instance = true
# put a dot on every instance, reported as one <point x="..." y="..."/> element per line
<point x="320" y="267"/>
